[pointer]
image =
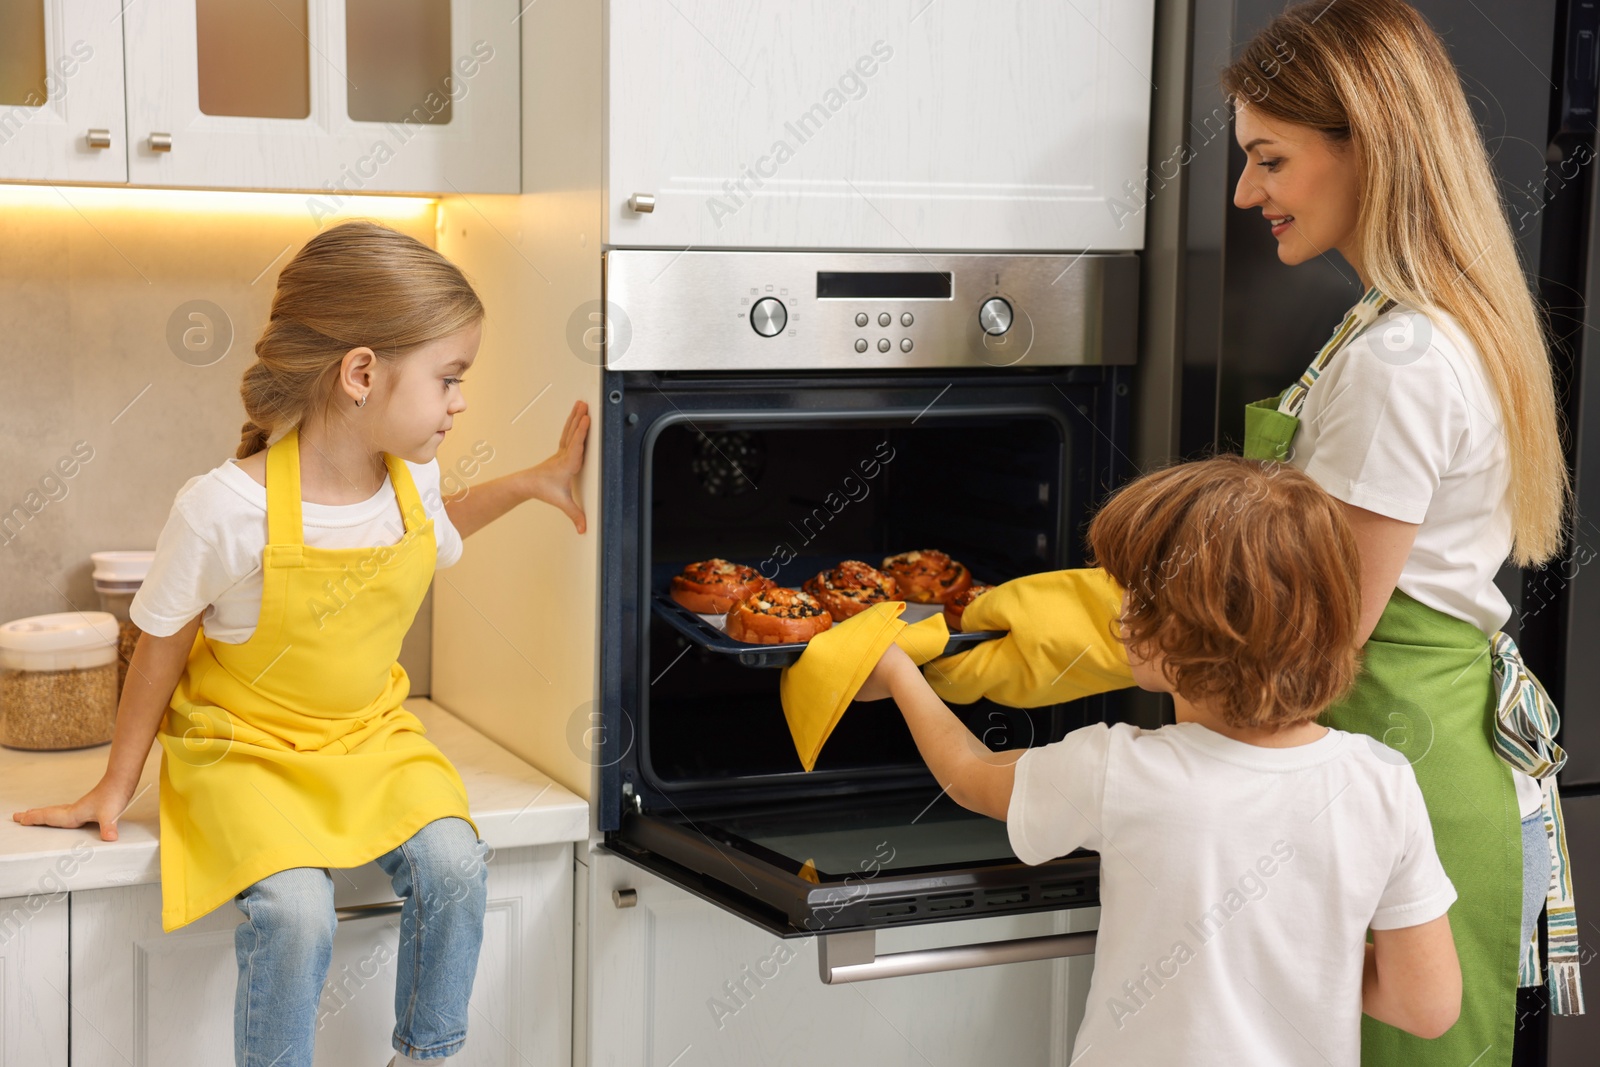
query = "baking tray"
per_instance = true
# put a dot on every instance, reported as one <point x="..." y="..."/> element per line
<point x="706" y="631"/>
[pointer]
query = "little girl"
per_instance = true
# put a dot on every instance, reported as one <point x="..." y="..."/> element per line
<point x="282" y="587"/>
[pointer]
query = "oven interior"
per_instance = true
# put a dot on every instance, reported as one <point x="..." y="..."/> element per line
<point x="795" y="497"/>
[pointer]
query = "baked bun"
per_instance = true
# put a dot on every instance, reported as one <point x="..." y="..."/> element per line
<point x="777" y="616"/>
<point x="712" y="586"/>
<point x="928" y="576"/>
<point x="851" y="588"/>
<point x="956" y="606"/>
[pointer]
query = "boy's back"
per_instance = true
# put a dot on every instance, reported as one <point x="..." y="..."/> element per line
<point x="1238" y="881"/>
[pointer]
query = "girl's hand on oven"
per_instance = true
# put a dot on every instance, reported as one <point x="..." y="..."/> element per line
<point x="880" y="683"/>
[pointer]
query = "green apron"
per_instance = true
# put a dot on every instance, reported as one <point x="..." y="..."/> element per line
<point x="1426" y="689"/>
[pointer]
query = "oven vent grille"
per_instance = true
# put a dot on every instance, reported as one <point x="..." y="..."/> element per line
<point x="950" y="902"/>
<point x="883" y="909"/>
<point x="1061" y="890"/>
<point x="1002" y="898"/>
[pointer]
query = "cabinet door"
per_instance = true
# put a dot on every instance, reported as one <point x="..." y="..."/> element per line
<point x="675" y="980"/>
<point x="336" y="96"/>
<point x="953" y="125"/>
<point x="144" y="997"/>
<point x="61" y="113"/>
<point x="33" y="980"/>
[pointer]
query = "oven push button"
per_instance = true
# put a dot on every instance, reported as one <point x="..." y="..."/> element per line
<point x="861" y="344"/>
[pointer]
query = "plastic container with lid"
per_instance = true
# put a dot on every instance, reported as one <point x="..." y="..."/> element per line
<point x="117" y="577"/>
<point x="58" y="680"/>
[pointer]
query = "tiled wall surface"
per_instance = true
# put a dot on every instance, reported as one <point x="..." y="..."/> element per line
<point x="96" y="291"/>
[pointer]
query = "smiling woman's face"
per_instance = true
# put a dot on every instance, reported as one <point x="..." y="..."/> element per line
<point x="1305" y="185"/>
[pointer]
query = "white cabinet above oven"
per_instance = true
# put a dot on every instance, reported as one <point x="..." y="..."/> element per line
<point x="951" y="125"/>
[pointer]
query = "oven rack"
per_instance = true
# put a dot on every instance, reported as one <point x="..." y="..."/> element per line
<point x="704" y="631"/>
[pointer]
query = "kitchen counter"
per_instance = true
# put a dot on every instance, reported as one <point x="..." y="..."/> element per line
<point x="513" y="804"/>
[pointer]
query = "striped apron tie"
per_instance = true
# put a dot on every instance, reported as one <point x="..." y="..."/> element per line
<point x="1526" y="724"/>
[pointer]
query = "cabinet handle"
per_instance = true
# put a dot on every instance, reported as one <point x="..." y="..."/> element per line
<point x="643" y="203"/>
<point x="161" y="142"/>
<point x="624" y="898"/>
<point x="367" y="911"/>
<point x="99" y="138"/>
<point x="853" y="956"/>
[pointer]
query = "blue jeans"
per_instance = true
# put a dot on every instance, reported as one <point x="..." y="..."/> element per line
<point x="1535" y="872"/>
<point x="285" y="944"/>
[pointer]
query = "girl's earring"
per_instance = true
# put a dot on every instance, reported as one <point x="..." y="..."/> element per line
<point x="360" y="402"/>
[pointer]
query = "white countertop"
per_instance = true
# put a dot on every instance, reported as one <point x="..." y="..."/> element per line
<point x="513" y="804"/>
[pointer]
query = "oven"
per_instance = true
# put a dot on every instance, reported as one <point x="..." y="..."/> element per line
<point x="788" y="410"/>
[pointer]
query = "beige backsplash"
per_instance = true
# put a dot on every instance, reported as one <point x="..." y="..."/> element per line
<point x="89" y="279"/>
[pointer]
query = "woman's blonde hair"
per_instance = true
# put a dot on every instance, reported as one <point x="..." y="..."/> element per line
<point x="355" y="284"/>
<point x="1372" y="74"/>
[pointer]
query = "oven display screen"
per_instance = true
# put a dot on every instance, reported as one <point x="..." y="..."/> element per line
<point x="883" y="285"/>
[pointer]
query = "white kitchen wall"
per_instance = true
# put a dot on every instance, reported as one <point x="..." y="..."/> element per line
<point x="515" y="631"/>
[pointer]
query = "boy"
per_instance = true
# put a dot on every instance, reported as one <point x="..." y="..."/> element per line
<point x="1245" y="850"/>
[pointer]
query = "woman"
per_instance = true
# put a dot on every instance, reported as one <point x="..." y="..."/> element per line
<point x="1431" y="416"/>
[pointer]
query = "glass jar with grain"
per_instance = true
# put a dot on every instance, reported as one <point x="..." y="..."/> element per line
<point x="117" y="577"/>
<point x="58" y="680"/>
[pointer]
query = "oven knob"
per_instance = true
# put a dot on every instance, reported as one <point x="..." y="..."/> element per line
<point x="769" y="318"/>
<point x="995" y="316"/>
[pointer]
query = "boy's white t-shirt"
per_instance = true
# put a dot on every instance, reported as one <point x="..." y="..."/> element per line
<point x="1405" y="422"/>
<point x="1237" y="886"/>
<point x="208" y="557"/>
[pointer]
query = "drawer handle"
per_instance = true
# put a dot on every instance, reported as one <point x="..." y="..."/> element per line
<point x="624" y="898"/>
<point x="99" y="138"/>
<point x="853" y="956"/>
<point x="368" y="911"/>
<point x="643" y="203"/>
<point x="161" y="142"/>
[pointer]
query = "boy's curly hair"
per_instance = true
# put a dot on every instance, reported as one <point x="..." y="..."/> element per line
<point x="1243" y="576"/>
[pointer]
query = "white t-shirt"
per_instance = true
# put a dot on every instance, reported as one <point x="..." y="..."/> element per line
<point x="1237" y="886"/>
<point x="1404" y="422"/>
<point x="208" y="557"/>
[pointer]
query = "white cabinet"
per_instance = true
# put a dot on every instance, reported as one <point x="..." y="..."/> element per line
<point x="144" y="997"/>
<point x="33" y="979"/>
<point x="674" y="980"/>
<point x="344" y="96"/>
<point x="61" y="103"/>
<point x="949" y="125"/>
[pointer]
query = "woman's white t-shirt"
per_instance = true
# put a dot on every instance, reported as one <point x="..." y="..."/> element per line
<point x="1405" y="422"/>
<point x="208" y="557"/>
<point x="1237" y="886"/>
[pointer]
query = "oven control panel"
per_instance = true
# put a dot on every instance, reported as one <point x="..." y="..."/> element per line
<point x="742" y="311"/>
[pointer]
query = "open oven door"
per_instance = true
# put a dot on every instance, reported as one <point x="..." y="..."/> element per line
<point x="844" y="869"/>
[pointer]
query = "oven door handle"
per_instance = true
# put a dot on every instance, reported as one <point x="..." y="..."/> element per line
<point x="852" y="956"/>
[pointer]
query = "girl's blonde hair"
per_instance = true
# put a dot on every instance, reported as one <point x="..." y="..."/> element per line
<point x="1372" y="74"/>
<point x="355" y="284"/>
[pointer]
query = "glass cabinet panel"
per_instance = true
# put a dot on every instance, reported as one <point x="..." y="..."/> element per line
<point x="254" y="58"/>
<point x="22" y="65"/>
<point x="398" y="60"/>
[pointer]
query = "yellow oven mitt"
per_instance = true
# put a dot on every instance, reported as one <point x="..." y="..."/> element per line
<point x="1060" y="644"/>
<point x="817" y="687"/>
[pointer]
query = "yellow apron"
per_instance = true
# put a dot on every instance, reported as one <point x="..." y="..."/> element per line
<point x="292" y="749"/>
